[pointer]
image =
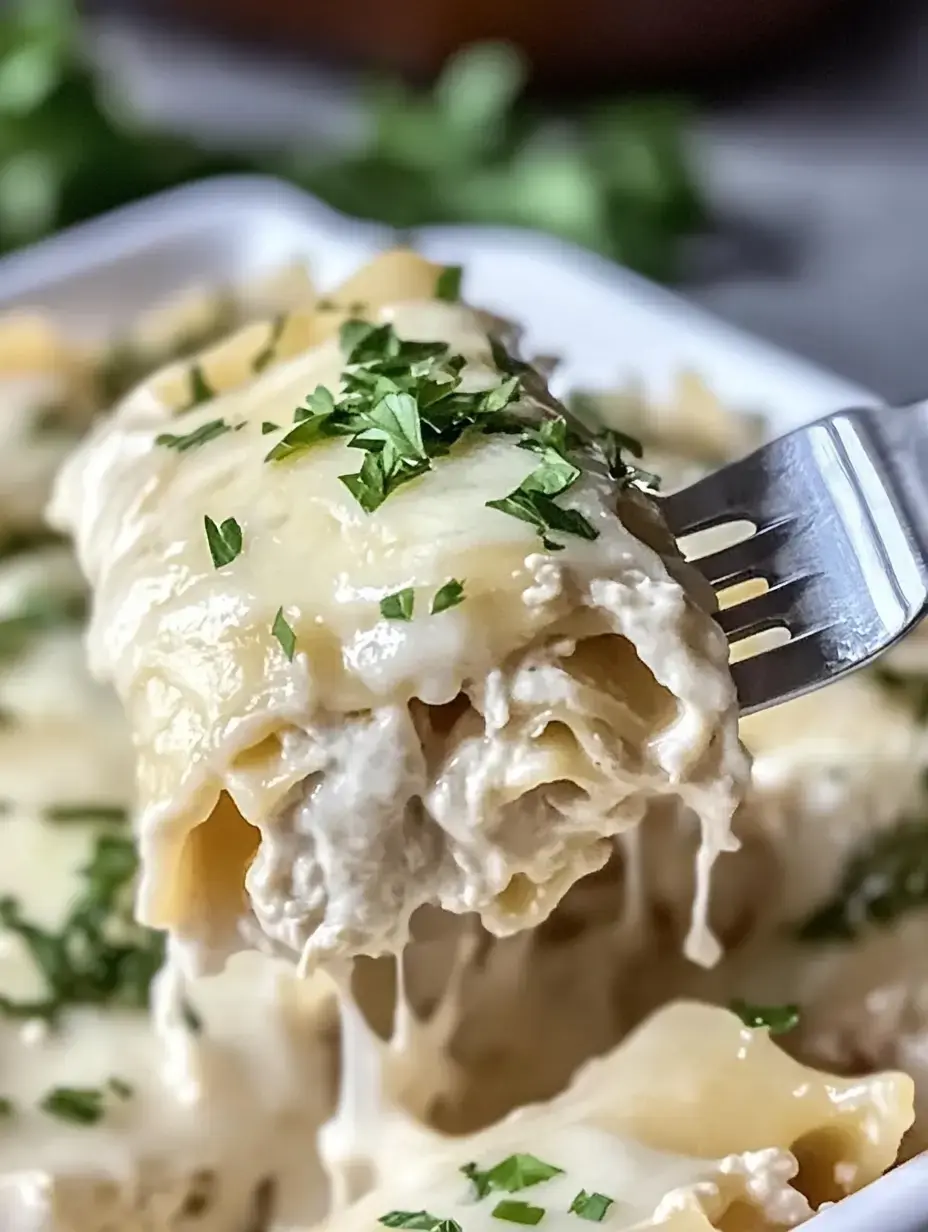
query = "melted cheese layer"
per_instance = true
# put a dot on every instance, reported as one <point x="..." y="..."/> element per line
<point x="695" y="1119"/>
<point x="478" y="759"/>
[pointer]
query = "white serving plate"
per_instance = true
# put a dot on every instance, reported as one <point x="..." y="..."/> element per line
<point x="607" y="325"/>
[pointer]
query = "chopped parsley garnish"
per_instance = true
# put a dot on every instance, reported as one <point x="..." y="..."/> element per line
<point x="192" y="1020"/>
<point x="448" y="283"/>
<point x="7" y="1107"/>
<point x="266" y="355"/>
<point x="533" y="500"/>
<point x="99" y="955"/>
<point x="533" y="506"/>
<point x="511" y="1174"/>
<point x="515" y="1211"/>
<point x="105" y="813"/>
<point x="41" y="611"/>
<point x="284" y="634"/>
<point x="477" y="1178"/>
<point x="592" y="1206"/>
<point x="885" y="877"/>
<point x="401" y="404"/>
<point x="418" y="1221"/>
<point x="199" y="436"/>
<point x="398" y="606"/>
<point x="18" y="542"/>
<point x="79" y="1105"/>
<point x="200" y="389"/>
<point x="612" y="444"/>
<point x="778" y="1019"/>
<point x="225" y="540"/>
<point x="449" y="595"/>
<point x="83" y="1105"/>
<point x="267" y="427"/>
<point x="313" y="424"/>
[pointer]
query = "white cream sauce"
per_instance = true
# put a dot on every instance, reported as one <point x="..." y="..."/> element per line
<point x="212" y="1117"/>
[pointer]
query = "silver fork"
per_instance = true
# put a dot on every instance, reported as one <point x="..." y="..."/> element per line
<point x="840" y="516"/>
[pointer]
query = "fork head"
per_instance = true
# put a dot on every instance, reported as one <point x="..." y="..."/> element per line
<point x="839" y="511"/>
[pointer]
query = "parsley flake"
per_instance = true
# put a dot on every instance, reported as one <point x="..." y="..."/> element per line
<point x="885" y="877"/>
<point x="108" y="813"/>
<point x="515" y="1211"/>
<point x="418" y="1221"/>
<point x="477" y="1178"/>
<point x="533" y="500"/>
<point x="539" y="510"/>
<point x="7" y="1107"/>
<point x="401" y="404"/>
<point x="399" y="605"/>
<point x="511" y="1174"/>
<point x="610" y="444"/>
<point x="284" y="634"/>
<point x="778" y="1019"/>
<point x="393" y="421"/>
<point x="448" y="283"/>
<point x="267" y="353"/>
<point x="319" y="402"/>
<point x="449" y="595"/>
<point x="267" y="427"/>
<point x="79" y="1105"/>
<point x="192" y="1020"/>
<point x="200" y="389"/>
<point x="120" y="1087"/>
<point x="225" y="540"/>
<point x="314" y="422"/>
<point x="199" y="436"/>
<point x="592" y="1206"/>
<point x="42" y="610"/>
<point x="99" y="955"/>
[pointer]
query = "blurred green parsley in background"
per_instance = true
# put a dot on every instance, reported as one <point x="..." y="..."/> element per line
<point x="617" y="179"/>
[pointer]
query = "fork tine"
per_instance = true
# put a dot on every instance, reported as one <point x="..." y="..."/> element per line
<point x="727" y="495"/>
<point x="781" y="671"/>
<point x="840" y="512"/>
<point x="778" y="606"/>
<point x="751" y="557"/>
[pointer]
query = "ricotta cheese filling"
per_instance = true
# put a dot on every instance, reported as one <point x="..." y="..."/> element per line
<point x="324" y="747"/>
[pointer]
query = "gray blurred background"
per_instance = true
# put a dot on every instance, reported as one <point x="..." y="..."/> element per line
<point x="807" y="141"/>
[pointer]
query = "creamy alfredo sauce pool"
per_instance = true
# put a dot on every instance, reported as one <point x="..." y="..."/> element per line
<point x="100" y="1125"/>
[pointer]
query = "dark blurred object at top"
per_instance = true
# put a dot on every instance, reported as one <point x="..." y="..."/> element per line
<point x="69" y="148"/>
<point x="616" y="179"/>
<point x="587" y="42"/>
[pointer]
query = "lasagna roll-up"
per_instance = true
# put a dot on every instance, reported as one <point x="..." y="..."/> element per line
<point x="388" y="632"/>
